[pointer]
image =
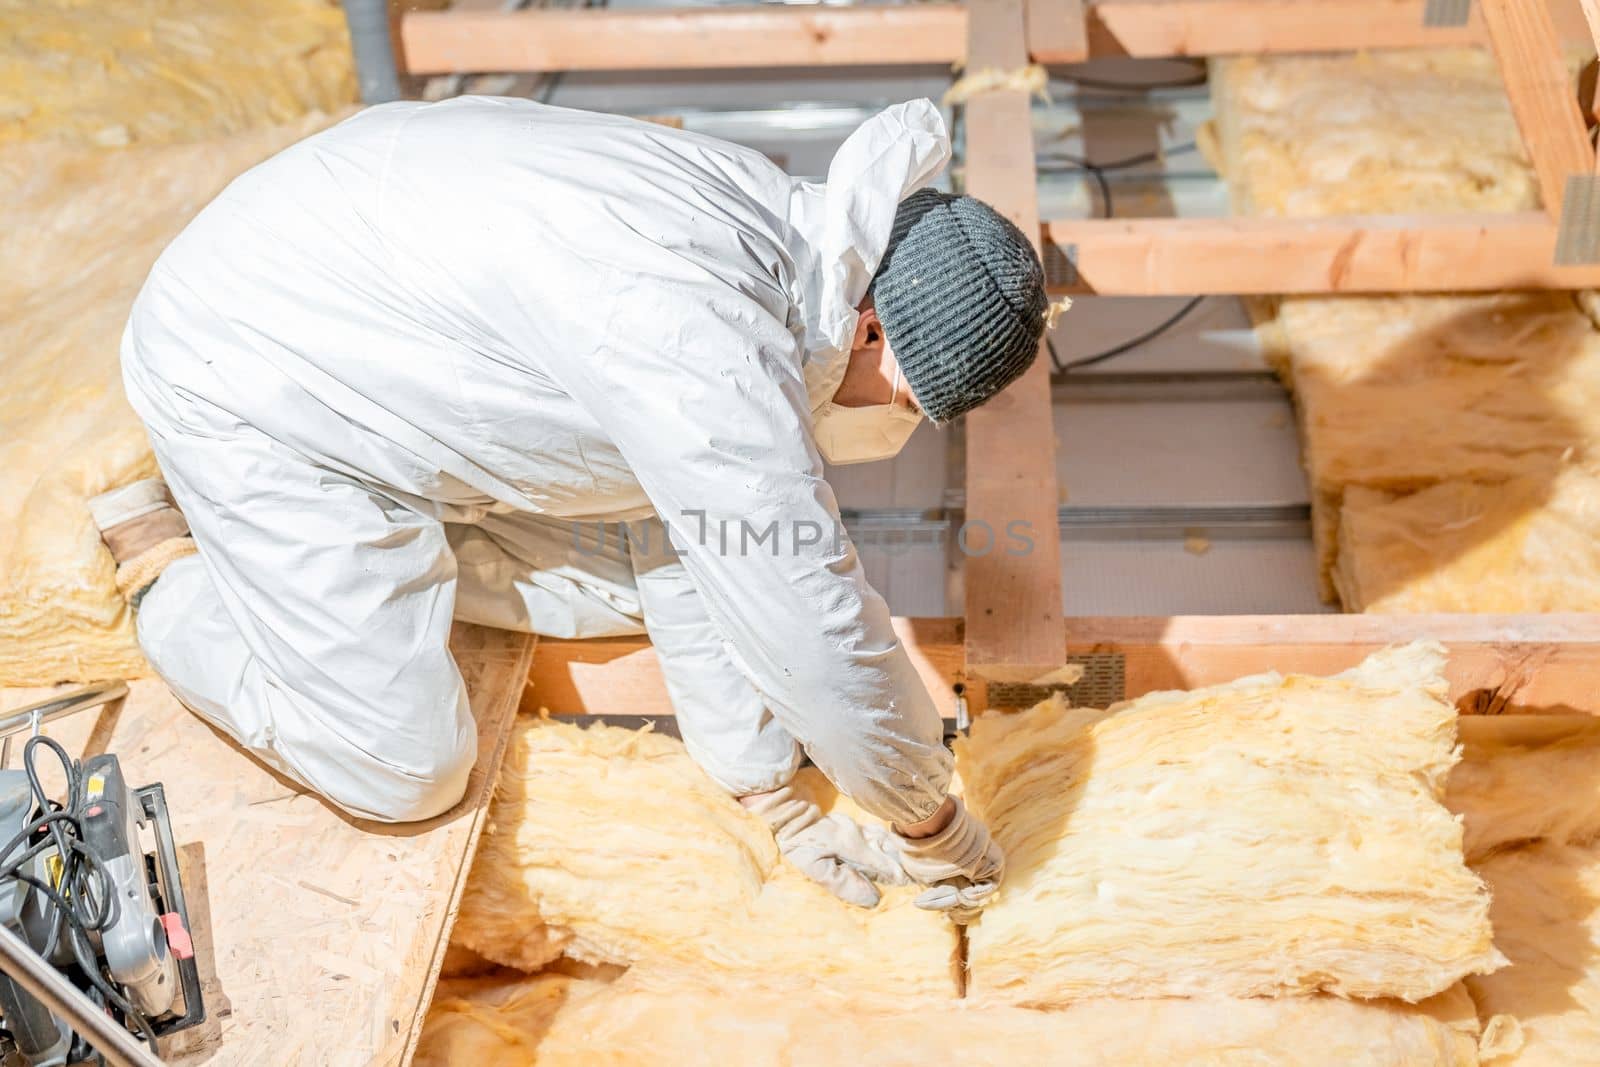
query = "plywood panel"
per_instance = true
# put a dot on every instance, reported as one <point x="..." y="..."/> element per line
<point x="319" y="936"/>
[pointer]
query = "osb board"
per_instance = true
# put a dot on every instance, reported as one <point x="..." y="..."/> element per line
<point x="319" y="936"/>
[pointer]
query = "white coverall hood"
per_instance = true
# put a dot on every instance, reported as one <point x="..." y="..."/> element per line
<point x="386" y="370"/>
<point x="844" y="227"/>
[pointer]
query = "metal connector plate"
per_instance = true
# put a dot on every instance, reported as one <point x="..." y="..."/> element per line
<point x="1103" y="684"/>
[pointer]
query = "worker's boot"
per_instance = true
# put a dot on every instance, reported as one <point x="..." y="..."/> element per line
<point x="145" y="532"/>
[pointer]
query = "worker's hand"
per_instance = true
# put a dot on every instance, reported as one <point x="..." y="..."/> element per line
<point x="831" y="850"/>
<point x="959" y="862"/>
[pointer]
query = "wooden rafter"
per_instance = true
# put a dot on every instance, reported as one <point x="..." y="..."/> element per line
<point x="443" y="42"/>
<point x="1349" y="254"/>
<point x="1542" y="96"/>
<point x="1160" y="28"/>
<point x="1539" y="663"/>
<point x="1012" y="583"/>
<point x="550" y="39"/>
<point x="1058" y="31"/>
<point x="1591" y="18"/>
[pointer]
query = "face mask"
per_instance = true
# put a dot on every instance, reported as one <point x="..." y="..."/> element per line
<point x="861" y="435"/>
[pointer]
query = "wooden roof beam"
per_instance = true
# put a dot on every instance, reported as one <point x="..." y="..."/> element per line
<point x="1012" y="553"/>
<point x="1058" y="31"/>
<point x="1543" y="98"/>
<point x="549" y="39"/>
<point x="1340" y="254"/>
<point x="1541" y="663"/>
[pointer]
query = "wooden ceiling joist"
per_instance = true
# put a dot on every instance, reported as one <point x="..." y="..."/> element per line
<point x="1542" y="96"/>
<point x="1152" y="29"/>
<point x="1498" y="663"/>
<point x="1350" y="254"/>
<point x="1012" y="554"/>
<point x="1059" y="31"/>
<point x="551" y="39"/>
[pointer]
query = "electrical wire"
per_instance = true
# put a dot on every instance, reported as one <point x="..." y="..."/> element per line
<point x="83" y="896"/>
<point x="1063" y="161"/>
<point x="1126" y="346"/>
<point x="1097" y="171"/>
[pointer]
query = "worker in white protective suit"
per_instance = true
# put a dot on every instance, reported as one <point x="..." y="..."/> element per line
<point x="425" y="364"/>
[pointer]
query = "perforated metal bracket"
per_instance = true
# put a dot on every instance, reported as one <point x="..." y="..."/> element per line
<point x="1440" y="14"/>
<point x="1060" y="265"/>
<point x="1578" y="234"/>
<point x="1103" y="684"/>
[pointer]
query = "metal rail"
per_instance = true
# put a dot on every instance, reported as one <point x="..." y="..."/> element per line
<point x="62" y="705"/>
<point x="24" y="966"/>
<point x="1093" y="522"/>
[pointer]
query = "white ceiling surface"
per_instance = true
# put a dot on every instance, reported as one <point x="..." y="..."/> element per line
<point x="1163" y="578"/>
<point x="1169" y="446"/>
<point x="1224" y="452"/>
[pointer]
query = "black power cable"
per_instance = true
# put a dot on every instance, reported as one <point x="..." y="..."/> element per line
<point x="1098" y="172"/>
<point x="82" y="896"/>
<point x="1063" y="161"/>
<point x="1126" y="346"/>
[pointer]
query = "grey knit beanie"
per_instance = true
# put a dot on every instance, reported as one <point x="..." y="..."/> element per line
<point x="960" y="293"/>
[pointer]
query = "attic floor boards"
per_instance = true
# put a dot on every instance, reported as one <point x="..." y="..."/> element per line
<point x="319" y="937"/>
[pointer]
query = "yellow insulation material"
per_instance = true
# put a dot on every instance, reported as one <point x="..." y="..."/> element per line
<point x="557" y="1021"/>
<point x="1032" y="79"/>
<point x="1514" y="791"/>
<point x="1529" y="544"/>
<point x="1528" y="788"/>
<point x="1280" y="835"/>
<point x="610" y="846"/>
<point x="1544" y="1009"/>
<point x="1273" y="836"/>
<point x="1402" y="392"/>
<point x="1425" y="130"/>
<point x="78" y="77"/>
<point x="88" y="225"/>
<point x="1416" y="410"/>
<point x="90" y="72"/>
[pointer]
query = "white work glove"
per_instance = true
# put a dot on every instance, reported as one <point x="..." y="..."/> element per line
<point x="961" y="865"/>
<point x="831" y="850"/>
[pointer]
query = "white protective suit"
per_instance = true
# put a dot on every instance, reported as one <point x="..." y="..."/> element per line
<point x="386" y="372"/>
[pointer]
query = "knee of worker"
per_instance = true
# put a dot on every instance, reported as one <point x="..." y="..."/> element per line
<point x="426" y="784"/>
<point x="403" y="755"/>
<point x="415" y="770"/>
